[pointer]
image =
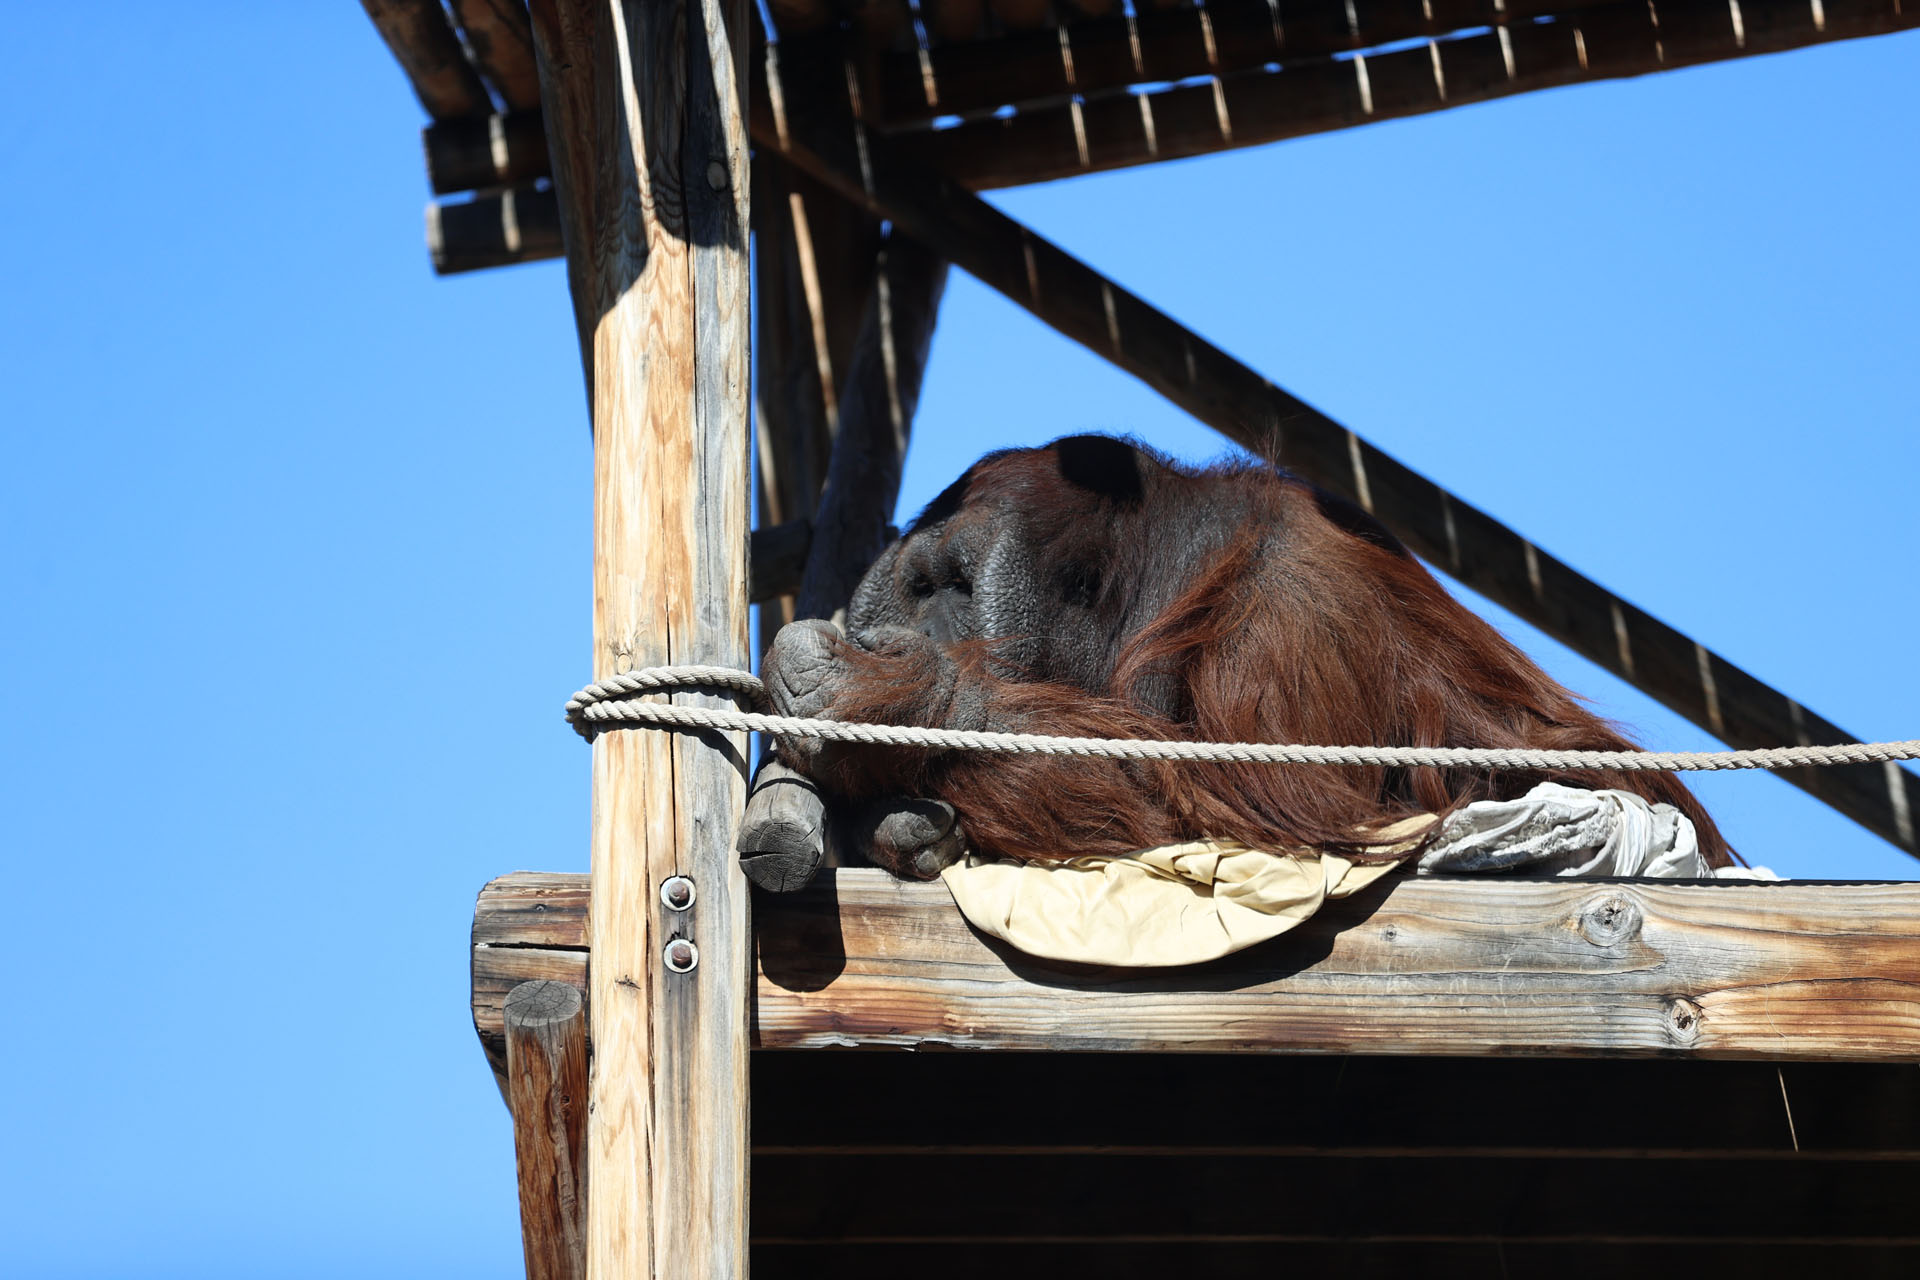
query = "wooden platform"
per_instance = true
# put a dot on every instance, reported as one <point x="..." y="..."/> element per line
<point x="1586" y="1117"/>
<point x="1781" y="972"/>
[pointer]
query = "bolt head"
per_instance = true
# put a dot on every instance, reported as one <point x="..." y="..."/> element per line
<point x="682" y="955"/>
<point x="677" y="893"/>
<point x="716" y="175"/>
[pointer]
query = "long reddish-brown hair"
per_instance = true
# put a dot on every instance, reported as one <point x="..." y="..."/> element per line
<point x="1331" y="635"/>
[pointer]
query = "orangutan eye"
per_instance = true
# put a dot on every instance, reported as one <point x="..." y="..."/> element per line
<point x="921" y="586"/>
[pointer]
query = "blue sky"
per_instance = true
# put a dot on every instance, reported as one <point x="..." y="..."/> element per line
<point x="270" y="488"/>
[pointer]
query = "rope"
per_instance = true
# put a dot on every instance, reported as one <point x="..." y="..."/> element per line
<point x="612" y="704"/>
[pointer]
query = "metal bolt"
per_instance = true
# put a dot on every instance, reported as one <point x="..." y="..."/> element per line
<point x="716" y="175"/>
<point x="677" y="892"/>
<point x="682" y="955"/>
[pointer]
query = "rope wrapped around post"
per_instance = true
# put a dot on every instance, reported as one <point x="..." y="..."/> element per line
<point x="617" y="704"/>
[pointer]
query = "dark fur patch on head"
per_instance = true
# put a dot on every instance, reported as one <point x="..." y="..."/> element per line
<point x="950" y="500"/>
<point x="1358" y="523"/>
<point x="1101" y="465"/>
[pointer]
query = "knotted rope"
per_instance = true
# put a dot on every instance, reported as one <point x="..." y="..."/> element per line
<point x="616" y="703"/>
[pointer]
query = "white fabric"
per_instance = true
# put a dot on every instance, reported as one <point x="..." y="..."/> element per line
<point x="1568" y="831"/>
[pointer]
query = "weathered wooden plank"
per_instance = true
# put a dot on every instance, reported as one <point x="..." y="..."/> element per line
<point x="1783" y="972"/>
<point x="423" y="43"/>
<point x="1261" y="417"/>
<point x="1572" y="45"/>
<point x="546" y="1038"/>
<point x="645" y="119"/>
<point x="501" y="38"/>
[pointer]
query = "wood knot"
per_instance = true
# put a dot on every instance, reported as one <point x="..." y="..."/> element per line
<point x="1610" y="920"/>
<point x="1389" y="933"/>
<point x="1683" y="1021"/>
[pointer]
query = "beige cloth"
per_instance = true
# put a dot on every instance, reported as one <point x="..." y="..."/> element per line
<point x="1181" y="904"/>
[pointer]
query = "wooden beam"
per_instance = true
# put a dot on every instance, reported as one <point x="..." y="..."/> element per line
<point x="546" y="1049"/>
<point x="1598" y="43"/>
<point x="494" y="229"/>
<point x="501" y="38"/>
<point x="1250" y="410"/>
<point x="423" y="42"/>
<point x="482" y="152"/>
<point x="878" y="399"/>
<point x="1096" y="57"/>
<point x="1785" y="972"/>
<point x="645" y="119"/>
<point x="777" y="556"/>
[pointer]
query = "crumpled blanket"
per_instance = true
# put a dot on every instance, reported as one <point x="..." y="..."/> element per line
<point x="1190" y="903"/>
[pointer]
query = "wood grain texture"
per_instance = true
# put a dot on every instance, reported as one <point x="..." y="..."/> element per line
<point x="645" y="121"/>
<point x="546" y="1051"/>
<point x="1249" y="409"/>
<point x="1783" y="972"/>
<point x="501" y="38"/>
<point x="1572" y="45"/>
<point x="423" y="43"/>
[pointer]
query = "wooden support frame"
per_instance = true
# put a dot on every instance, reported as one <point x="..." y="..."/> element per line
<point x="646" y="126"/>
<point x="1458" y="538"/>
<point x="1566" y="44"/>
<point x="1474" y="548"/>
<point x="1092" y="58"/>
<point x="1786" y="971"/>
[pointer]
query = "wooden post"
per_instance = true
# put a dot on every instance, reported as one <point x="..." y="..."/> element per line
<point x="546" y="1029"/>
<point x="645" y="123"/>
